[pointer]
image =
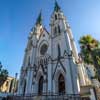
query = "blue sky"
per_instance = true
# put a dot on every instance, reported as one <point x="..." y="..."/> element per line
<point x="17" y="17"/>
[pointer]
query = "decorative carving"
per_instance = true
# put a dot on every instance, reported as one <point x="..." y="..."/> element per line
<point x="43" y="60"/>
<point x="59" y="61"/>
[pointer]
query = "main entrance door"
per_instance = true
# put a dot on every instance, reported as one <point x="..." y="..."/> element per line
<point x="61" y="84"/>
<point x="40" y="85"/>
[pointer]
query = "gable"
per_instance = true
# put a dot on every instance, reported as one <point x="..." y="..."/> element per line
<point x="44" y="34"/>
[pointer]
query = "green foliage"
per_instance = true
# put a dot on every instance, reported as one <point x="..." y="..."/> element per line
<point x="88" y="44"/>
<point x="3" y="74"/>
<point x="96" y="58"/>
<point x="90" y="50"/>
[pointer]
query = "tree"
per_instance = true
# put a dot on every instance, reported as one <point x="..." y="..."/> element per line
<point x="87" y="45"/>
<point x="3" y="75"/>
<point x="91" y="52"/>
<point x="96" y="58"/>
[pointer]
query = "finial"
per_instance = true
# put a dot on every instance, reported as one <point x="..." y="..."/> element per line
<point x="39" y="19"/>
<point x="57" y="7"/>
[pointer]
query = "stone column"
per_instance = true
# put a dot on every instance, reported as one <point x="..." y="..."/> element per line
<point x="29" y="81"/>
<point x="20" y="86"/>
<point x="36" y="87"/>
<point x="74" y="75"/>
<point x="49" y="78"/>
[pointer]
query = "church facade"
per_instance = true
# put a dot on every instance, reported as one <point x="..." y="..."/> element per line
<point x="51" y="63"/>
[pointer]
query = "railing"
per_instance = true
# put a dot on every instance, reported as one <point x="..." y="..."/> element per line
<point x="46" y="97"/>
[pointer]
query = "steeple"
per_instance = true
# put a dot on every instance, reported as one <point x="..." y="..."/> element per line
<point x="39" y="19"/>
<point x="56" y="7"/>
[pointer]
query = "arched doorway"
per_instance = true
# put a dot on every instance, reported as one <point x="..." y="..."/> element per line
<point x="40" y="85"/>
<point x="61" y="84"/>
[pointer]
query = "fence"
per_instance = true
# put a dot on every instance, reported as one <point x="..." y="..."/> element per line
<point x="46" y="97"/>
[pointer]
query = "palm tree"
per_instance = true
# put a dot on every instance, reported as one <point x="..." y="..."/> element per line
<point x="96" y="58"/>
<point x="91" y="52"/>
<point x="88" y="44"/>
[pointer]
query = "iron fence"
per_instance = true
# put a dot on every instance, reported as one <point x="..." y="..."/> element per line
<point x="46" y="97"/>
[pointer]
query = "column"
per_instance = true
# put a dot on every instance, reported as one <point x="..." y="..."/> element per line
<point x="49" y="78"/>
<point x="29" y="81"/>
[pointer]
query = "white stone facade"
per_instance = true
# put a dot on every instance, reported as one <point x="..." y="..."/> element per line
<point x="50" y="59"/>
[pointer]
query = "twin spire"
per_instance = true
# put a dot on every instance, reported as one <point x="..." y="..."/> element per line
<point x="39" y="18"/>
<point x="56" y="7"/>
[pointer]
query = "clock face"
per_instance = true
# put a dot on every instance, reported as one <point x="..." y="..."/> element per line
<point x="43" y="49"/>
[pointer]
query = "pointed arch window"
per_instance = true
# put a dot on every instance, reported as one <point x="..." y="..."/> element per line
<point x="59" y="51"/>
<point x="29" y="61"/>
<point x="55" y="16"/>
<point x="55" y="30"/>
<point x="59" y="31"/>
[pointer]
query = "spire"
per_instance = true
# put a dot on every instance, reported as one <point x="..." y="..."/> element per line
<point x="57" y="7"/>
<point x="39" y="19"/>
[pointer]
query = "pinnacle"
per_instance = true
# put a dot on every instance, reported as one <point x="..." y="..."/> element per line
<point x="57" y="7"/>
<point x="39" y="19"/>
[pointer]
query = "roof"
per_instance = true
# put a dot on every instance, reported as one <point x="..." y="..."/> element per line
<point x="39" y="19"/>
<point x="56" y="7"/>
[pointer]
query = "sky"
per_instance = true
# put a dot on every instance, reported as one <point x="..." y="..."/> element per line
<point x="17" y="17"/>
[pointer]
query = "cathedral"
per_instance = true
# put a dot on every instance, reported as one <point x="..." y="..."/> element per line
<point x="51" y="64"/>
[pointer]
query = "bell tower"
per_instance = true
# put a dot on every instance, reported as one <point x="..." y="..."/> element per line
<point x="60" y="28"/>
<point x="63" y="53"/>
<point x="26" y="76"/>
